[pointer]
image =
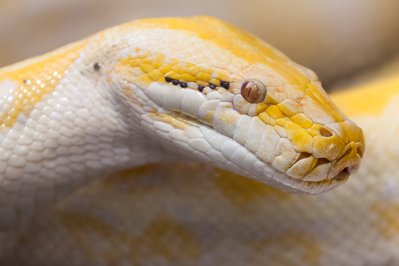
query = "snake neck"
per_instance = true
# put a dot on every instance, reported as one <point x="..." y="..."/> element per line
<point x="80" y="131"/>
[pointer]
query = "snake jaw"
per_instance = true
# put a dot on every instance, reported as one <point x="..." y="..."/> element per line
<point x="278" y="161"/>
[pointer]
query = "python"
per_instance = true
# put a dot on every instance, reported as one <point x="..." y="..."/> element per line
<point x="167" y="89"/>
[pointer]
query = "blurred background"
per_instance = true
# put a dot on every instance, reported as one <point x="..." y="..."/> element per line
<point x="337" y="38"/>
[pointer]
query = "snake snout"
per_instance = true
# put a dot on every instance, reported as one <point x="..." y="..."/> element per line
<point x="348" y="163"/>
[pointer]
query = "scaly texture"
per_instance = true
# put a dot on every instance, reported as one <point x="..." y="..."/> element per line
<point x="160" y="90"/>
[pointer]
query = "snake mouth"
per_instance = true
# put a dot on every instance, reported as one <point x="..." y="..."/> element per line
<point x="319" y="174"/>
<point x="348" y="163"/>
<point x="319" y="186"/>
<point x="343" y="175"/>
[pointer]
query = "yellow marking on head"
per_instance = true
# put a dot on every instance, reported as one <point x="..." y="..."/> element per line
<point x="34" y="79"/>
<point x="151" y="66"/>
<point x="267" y="119"/>
<point x="324" y="102"/>
<point x="288" y="111"/>
<point x="224" y="35"/>
<point x="274" y="112"/>
<point x="367" y="99"/>
<point x="299" y="137"/>
<point x="302" y="120"/>
<point x="245" y="192"/>
<point x="260" y="107"/>
<point x="289" y="73"/>
<point x="234" y="40"/>
<point x="334" y="145"/>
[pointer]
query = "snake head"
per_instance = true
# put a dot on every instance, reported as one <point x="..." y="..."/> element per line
<point x="228" y="98"/>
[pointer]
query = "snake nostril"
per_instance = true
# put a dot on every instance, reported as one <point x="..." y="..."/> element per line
<point x="325" y="132"/>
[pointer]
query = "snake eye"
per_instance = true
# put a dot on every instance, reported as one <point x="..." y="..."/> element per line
<point x="253" y="91"/>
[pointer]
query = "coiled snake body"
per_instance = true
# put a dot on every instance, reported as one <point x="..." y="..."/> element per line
<point x="175" y="89"/>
